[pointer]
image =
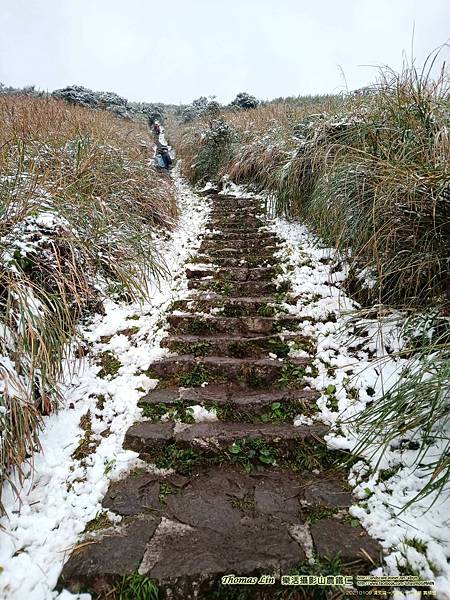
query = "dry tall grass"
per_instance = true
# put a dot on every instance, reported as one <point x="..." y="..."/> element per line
<point x="369" y="173"/>
<point x="79" y="202"/>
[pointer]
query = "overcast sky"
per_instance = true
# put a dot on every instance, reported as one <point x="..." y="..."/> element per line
<point x="177" y="50"/>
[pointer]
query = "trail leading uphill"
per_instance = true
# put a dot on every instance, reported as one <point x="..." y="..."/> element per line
<point x="244" y="491"/>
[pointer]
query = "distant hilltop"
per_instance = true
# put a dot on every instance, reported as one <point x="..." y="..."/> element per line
<point x="110" y="101"/>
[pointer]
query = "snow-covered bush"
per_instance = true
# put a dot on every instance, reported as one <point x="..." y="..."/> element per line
<point x="215" y="145"/>
<point x="244" y="101"/>
<point x="202" y="106"/>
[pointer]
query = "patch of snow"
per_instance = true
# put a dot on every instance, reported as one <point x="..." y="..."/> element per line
<point x="202" y="415"/>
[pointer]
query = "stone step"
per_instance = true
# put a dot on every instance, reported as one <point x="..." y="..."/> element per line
<point x="210" y="439"/>
<point x="194" y="324"/>
<point x="234" y="274"/>
<point x="228" y="250"/>
<point x="231" y="307"/>
<point x="235" y="229"/>
<point x="235" y="345"/>
<point x="237" y="216"/>
<point x="255" y="243"/>
<point x="238" y="219"/>
<point x="228" y="207"/>
<point x="209" y="192"/>
<point x="234" y="288"/>
<point x="239" y="398"/>
<point x="246" y="236"/>
<point x="232" y="202"/>
<point x="192" y="371"/>
<point x="249" y="262"/>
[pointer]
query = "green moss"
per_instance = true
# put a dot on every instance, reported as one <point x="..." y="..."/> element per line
<point x="253" y="376"/>
<point x="179" y="410"/>
<point x="100" y="521"/>
<point x="195" y="377"/>
<point x="86" y="446"/>
<point x="137" y="587"/>
<point x="182" y="460"/>
<point x="315" y="513"/>
<point x="291" y="376"/>
<point x="129" y="332"/>
<point x="137" y="472"/>
<point x="234" y="310"/>
<point x="418" y="544"/>
<point x="278" y="347"/>
<point x="133" y="318"/>
<point x="248" y="452"/>
<point x="266" y="310"/>
<point x="246" y="504"/>
<point x="110" y="364"/>
<point x="386" y="474"/>
<point x="276" y="412"/>
<point x="166" y="490"/>
<point x="310" y="456"/>
<point x="199" y="327"/>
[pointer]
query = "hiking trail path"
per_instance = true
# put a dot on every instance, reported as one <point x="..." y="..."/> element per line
<point x="246" y="493"/>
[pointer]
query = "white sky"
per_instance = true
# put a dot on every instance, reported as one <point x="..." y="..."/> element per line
<point x="177" y="50"/>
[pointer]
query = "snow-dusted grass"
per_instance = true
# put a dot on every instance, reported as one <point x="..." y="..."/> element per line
<point x="369" y="173"/>
<point x="358" y="360"/>
<point x="79" y="203"/>
<point x="60" y="493"/>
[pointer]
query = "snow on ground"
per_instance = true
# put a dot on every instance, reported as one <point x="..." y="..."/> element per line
<point x="61" y="493"/>
<point x="356" y="363"/>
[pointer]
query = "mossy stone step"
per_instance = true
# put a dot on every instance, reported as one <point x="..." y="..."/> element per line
<point x="229" y="306"/>
<point x="148" y="439"/>
<point x="221" y="394"/>
<point x="254" y="235"/>
<point x="245" y="263"/>
<point x="232" y="273"/>
<point x="231" y="202"/>
<point x="191" y="371"/>
<point x="252" y="243"/>
<point x="242" y="252"/>
<point x="240" y="222"/>
<point x="191" y="323"/>
<point x="227" y="208"/>
<point x="229" y="403"/>
<point x="236" y="345"/>
<point x="233" y="288"/>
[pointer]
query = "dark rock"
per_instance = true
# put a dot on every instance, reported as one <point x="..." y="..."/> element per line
<point x="98" y="565"/>
<point x="197" y="554"/>
<point x="133" y="495"/>
<point x="332" y="537"/>
<point x="327" y="491"/>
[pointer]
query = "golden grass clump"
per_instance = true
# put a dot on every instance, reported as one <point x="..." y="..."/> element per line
<point x="79" y="203"/>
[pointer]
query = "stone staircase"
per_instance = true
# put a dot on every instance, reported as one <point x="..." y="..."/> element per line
<point x="248" y="493"/>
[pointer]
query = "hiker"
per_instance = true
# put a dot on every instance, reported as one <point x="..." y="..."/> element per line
<point x="156" y="128"/>
<point x="163" y="160"/>
<point x="166" y="157"/>
<point x="159" y="161"/>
